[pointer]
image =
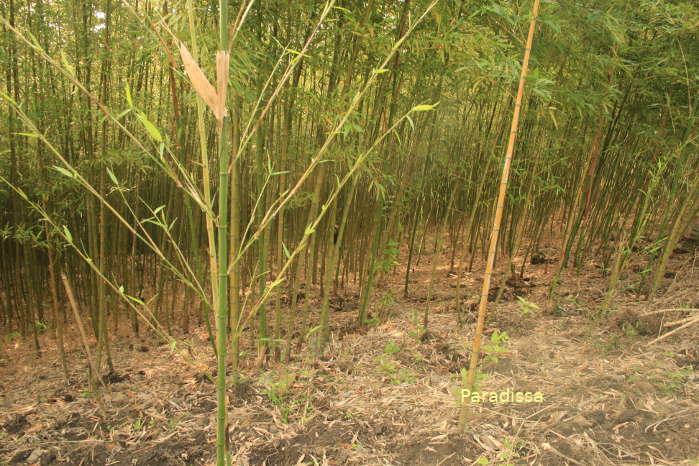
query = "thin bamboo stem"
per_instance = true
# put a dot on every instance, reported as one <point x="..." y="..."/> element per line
<point x="483" y="305"/>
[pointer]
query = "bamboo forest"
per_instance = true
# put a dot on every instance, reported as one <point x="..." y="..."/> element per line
<point x="349" y="232"/>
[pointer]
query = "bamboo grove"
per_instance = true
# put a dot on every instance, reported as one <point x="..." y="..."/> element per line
<point x="351" y="130"/>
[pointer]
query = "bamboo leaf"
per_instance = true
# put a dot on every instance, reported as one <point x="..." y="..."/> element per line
<point x="64" y="172"/>
<point x="150" y="127"/>
<point x="119" y="116"/>
<point x="423" y="108"/>
<point x="296" y="52"/>
<point x="395" y="133"/>
<point x="127" y="91"/>
<point x="9" y="99"/>
<point x="553" y="117"/>
<point x="410" y="120"/>
<point x="312" y="331"/>
<point x="112" y="177"/>
<point x="136" y="300"/>
<point x="66" y="233"/>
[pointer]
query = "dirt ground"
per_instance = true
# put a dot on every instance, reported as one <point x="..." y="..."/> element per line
<point x="380" y="396"/>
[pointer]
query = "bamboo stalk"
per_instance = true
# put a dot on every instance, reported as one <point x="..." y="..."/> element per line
<point x="483" y="306"/>
<point x="58" y="316"/>
<point x="74" y="306"/>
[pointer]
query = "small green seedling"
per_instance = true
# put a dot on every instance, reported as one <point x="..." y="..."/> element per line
<point x="138" y="424"/>
<point x="391" y="348"/>
<point x="526" y="307"/>
<point x="497" y="345"/>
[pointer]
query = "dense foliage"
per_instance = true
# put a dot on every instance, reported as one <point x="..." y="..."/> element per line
<point x="353" y="128"/>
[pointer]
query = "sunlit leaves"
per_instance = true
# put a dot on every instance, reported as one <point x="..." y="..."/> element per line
<point x="64" y="172"/>
<point x="153" y="132"/>
<point x="127" y="93"/>
<point x="423" y="108"/>
<point x="68" y="236"/>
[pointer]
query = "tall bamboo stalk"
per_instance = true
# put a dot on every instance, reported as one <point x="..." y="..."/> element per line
<point x="487" y="275"/>
<point x="223" y="194"/>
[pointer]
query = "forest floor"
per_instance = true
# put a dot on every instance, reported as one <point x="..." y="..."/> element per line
<point x="379" y="396"/>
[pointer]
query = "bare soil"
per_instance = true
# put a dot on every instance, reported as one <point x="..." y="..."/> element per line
<point x="382" y="396"/>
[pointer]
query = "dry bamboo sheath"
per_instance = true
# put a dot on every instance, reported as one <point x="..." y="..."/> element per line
<point x="483" y="305"/>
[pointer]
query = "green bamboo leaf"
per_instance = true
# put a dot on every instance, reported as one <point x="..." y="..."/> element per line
<point x="66" y="233"/>
<point x="410" y="120"/>
<point x="380" y="70"/>
<point x="296" y="52"/>
<point x="66" y="64"/>
<point x="112" y="177"/>
<point x="118" y="117"/>
<point x="8" y="98"/>
<point x="276" y="283"/>
<point x="553" y="117"/>
<point x="312" y="331"/>
<point x="150" y="127"/>
<point x="395" y="133"/>
<point x="64" y="172"/>
<point x="29" y="135"/>
<point x="136" y="300"/>
<point x="122" y="114"/>
<point x="423" y="108"/>
<point x="127" y="91"/>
